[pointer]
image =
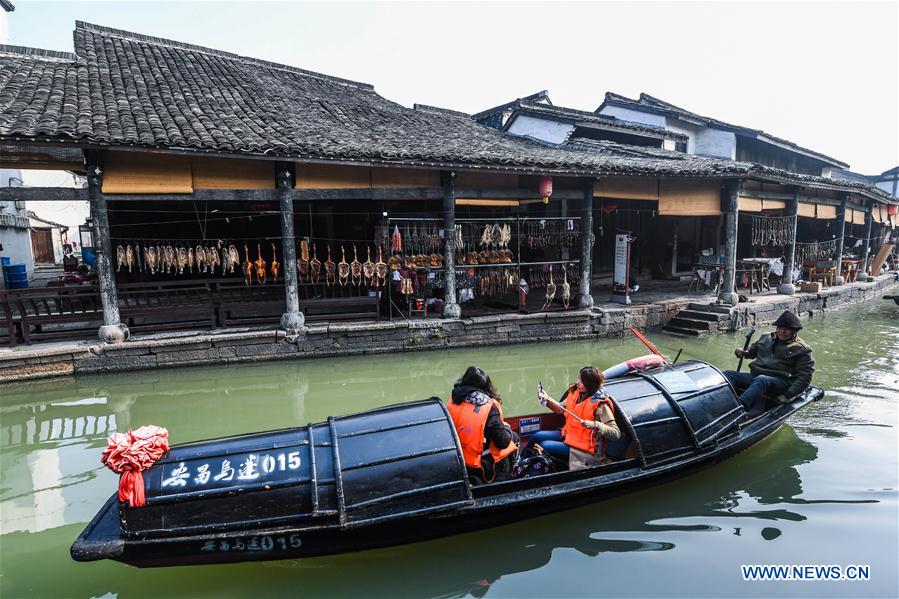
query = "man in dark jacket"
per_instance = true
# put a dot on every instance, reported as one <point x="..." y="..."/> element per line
<point x="782" y="368"/>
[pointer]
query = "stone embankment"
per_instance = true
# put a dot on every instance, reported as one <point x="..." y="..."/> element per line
<point x="228" y="347"/>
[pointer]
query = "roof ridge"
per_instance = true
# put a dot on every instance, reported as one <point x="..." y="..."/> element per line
<point x="439" y="110"/>
<point x="139" y="37"/>
<point x="36" y="52"/>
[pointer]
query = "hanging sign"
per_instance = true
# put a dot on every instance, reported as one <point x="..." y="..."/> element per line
<point x="622" y="266"/>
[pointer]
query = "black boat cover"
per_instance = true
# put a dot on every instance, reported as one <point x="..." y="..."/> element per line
<point x="393" y="462"/>
<point x="677" y="408"/>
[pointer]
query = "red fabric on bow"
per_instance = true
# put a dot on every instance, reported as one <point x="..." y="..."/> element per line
<point x="131" y="453"/>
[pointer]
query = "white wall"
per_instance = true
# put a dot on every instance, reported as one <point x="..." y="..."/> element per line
<point x="634" y="116"/>
<point x="713" y="142"/>
<point x="16" y="241"/>
<point x="543" y="129"/>
<point x="4" y="27"/>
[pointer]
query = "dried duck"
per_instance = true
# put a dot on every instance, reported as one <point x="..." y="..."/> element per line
<point x="343" y="269"/>
<point x="368" y="267"/>
<point x="129" y="256"/>
<point x="550" y="290"/>
<point x="303" y="261"/>
<point x="566" y="288"/>
<point x="232" y="259"/>
<point x="119" y="257"/>
<point x="259" y="265"/>
<point x="356" y="268"/>
<point x="181" y="259"/>
<point x="168" y="259"/>
<point x="190" y="259"/>
<point x="151" y="259"/>
<point x="202" y="264"/>
<point x="247" y="266"/>
<point x="380" y="270"/>
<point x="315" y="265"/>
<point x="213" y="258"/>
<point x="330" y="270"/>
<point x="275" y="266"/>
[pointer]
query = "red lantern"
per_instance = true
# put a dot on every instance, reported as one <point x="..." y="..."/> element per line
<point x="892" y="209"/>
<point x="546" y="188"/>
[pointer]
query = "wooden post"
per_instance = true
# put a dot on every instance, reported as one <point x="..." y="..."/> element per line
<point x="729" y="206"/>
<point x="112" y="331"/>
<point x="786" y="286"/>
<point x="292" y="320"/>
<point x="869" y="223"/>
<point x="675" y="228"/>
<point x="841" y="237"/>
<point x="451" y="308"/>
<point x="585" y="295"/>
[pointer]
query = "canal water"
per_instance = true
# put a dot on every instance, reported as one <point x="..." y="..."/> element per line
<point x="822" y="490"/>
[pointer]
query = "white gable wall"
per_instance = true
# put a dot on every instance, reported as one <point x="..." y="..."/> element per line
<point x="549" y="131"/>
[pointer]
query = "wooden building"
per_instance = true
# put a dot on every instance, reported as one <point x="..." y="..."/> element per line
<point x="190" y="148"/>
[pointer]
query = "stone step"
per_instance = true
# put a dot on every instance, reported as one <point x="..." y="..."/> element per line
<point x="693" y="323"/>
<point x="683" y="331"/>
<point x="698" y="315"/>
<point x="710" y="308"/>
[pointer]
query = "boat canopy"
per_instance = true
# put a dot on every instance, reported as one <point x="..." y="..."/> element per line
<point x="393" y="462"/>
<point x="676" y="409"/>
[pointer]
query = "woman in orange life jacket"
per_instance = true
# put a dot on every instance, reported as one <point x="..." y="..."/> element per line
<point x="583" y="438"/>
<point x="488" y="444"/>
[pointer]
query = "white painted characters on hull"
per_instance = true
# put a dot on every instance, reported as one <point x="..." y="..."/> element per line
<point x="264" y="543"/>
<point x="252" y="467"/>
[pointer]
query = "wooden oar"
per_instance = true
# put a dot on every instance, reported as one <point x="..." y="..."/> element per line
<point x="649" y="344"/>
<point x="745" y="347"/>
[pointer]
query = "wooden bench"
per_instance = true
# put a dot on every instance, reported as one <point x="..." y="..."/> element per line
<point x="6" y="308"/>
<point x="170" y="307"/>
<point x="240" y="305"/>
<point x="341" y="308"/>
<point x="37" y="308"/>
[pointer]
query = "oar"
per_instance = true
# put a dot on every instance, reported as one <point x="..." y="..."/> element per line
<point x="649" y="344"/>
<point x="745" y="347"/>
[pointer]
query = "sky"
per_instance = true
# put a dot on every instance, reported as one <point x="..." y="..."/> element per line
<point x="820" y="74"/>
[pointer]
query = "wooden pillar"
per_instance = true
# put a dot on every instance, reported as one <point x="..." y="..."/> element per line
<point x="451" y="308"/>
<point x="292" y="320"/>
<point x="584" y="292"/>
<point x="866" y="249"/>
<point x="729" y="206"/>
<point x="786" y="286"/>
<point x="112" y="331"/>
<point x="840" y="238"/>
<point x="675" y="228"/>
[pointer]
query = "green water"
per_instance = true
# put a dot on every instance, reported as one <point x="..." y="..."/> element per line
<point x="822" y="490"/>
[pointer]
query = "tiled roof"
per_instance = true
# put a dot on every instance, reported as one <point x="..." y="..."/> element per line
<point x="655" y="105"/>
<point x="678" y="161"/>
<point x="125" y="89"/>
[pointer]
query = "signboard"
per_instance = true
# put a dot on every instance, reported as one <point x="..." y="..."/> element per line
<point x="676" y="381"/>
<point x="622" y="266"/>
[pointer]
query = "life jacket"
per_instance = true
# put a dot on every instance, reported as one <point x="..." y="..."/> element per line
<point x="573" y="433"/>
<point x="471" y="420"/>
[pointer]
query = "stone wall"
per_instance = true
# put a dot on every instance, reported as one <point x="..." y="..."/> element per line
<point x="179" y="349"/>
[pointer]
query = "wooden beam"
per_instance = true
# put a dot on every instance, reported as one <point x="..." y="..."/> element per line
<point x="43" y="194"/>
<point x="485" y="202"/>
<point x="516" y="194"/>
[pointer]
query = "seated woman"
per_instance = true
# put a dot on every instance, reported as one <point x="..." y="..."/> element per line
<point x="589" y="423"/>
<point x="488" y="444"/>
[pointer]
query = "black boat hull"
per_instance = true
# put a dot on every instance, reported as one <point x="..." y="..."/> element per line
<point x="493" y="506"/>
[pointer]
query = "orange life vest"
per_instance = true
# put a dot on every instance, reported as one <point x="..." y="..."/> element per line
<point x="573" y="433"/>
<point x="470" y="421"/>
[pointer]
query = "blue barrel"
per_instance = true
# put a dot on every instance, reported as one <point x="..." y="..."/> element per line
<point x="5" y="261"/>
<point x="16" y="276"/>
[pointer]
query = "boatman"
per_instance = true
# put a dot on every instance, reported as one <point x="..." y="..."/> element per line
<point x="782" y="366"/>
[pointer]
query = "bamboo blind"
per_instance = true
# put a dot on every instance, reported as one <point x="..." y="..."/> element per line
<point x="689" y="197"/>
<point x="879" y="214"/>
<point x="228" y="173"/>
<point x="826" y="212"/>
<point x="858" y="217"/>
<point x="773" y="204"/>
<point x="404" y="178"/>
<point x="332" y="176"/>
<point x="627" y="188"/>
<point x="806" y="210"/>
<point x="750" y="204"/>
<point x="139" y="172"/>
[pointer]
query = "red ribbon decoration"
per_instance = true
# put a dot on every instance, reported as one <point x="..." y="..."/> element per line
<point x="131" y="453"/>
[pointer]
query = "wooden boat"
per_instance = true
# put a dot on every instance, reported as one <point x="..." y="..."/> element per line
<point x="395" y="475"/>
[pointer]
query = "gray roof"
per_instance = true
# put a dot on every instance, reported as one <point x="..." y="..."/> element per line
<point x="534" y="105"/>
<point x="122" y="89"/>
<point x="650" y="104"/>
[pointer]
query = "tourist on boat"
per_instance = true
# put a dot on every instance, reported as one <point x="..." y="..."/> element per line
<point x="782" y="368"/>
<point x="488" y="444"/>
<point x="589" y="423"/>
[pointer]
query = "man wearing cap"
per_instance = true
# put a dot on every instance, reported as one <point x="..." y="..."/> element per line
<point x="782" y="366"/>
